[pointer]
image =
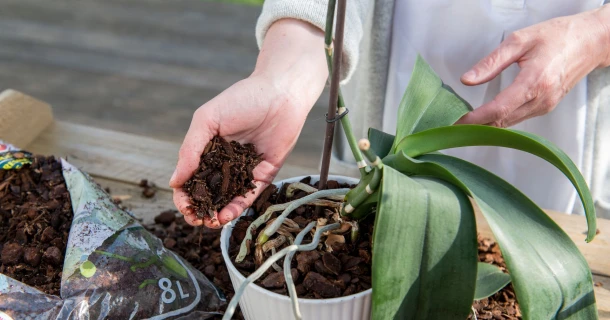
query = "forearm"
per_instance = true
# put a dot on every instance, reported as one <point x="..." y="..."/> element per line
<point x="603" y="17"/>
<point x="292" y="57"/>
<point x="314" y="12"/>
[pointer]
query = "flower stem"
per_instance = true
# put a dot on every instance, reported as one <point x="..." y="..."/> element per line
<point x="345" y="123"/>
<point x="334" y="96"/>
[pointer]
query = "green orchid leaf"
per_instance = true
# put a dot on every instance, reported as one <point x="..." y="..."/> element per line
<point x="381" y="142"/>
<point x="551" y="277"/>
<point x="427" y="103"/>
<point x="425" y="250"/>
<point x="490" y="279"/>
<point x="477" y="135"/>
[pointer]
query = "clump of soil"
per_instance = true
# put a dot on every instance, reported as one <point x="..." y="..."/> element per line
<point x="35" y="219"/>
<point x="339" y="267"/>
<point x="198" y="245"/>
<point x="503" y="304"/>
<point x="225" y="171"/>
<point x="148" y="188"/>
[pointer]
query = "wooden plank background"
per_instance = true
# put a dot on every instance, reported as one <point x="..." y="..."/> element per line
<point x="135" y="66"/>
<point x="120" y="156"/>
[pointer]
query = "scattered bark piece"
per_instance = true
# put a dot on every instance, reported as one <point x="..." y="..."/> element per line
<point x="305" y="260"/>
<point x="319" y="284"/>
<point x="274" y="280"/>
<point x="332" y="263"/>
<point x="149" y="189"/>
<point x="12" y="253"/>
<point x="166" y="217"/>
<point x="53" y="256"/>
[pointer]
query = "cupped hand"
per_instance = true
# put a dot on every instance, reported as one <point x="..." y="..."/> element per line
<point x="267" y="109"/>
<point x="251" y="111"/>
<point x="553" y="56"/>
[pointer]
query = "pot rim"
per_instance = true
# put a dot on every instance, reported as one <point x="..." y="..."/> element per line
<point x="224" y="244"/>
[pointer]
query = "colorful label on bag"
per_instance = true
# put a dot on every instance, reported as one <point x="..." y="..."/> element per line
<point x="13" y="158"/>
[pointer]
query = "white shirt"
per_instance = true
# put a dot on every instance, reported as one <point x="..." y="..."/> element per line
<point x="452" y="36"/>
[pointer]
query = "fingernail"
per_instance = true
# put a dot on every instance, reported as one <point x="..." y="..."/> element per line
<point x="470" y="75"/>
<point x="171" y="180"/>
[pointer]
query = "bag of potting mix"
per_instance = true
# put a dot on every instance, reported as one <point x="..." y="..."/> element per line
<point x="112" y="267"/>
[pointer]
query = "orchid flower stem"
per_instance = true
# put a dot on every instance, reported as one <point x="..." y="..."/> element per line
<point x="274" y="258"/>
<point x="345" y="123"/>
<point x="269" y="231"/>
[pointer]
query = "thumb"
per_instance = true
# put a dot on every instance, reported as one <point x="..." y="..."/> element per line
<point x="198" y="136"/>
<point x="509" y="51"/>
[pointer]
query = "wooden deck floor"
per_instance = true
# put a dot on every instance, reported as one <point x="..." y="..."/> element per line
<point x="137" y="66"/>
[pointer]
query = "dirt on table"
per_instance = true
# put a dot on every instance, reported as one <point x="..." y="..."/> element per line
<point x="35" y="219"/>
<point x="149" y="189"/>
<point x="224" y="172"/>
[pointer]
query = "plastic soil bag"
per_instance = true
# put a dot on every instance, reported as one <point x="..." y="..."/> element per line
<point x="113" y="268"/>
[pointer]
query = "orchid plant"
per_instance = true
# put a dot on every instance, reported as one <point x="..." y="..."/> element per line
<point x="424" y="262"/>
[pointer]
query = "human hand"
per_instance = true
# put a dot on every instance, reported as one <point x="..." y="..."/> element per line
<point x="553" y="56"/>
<point x="267" y="109"/>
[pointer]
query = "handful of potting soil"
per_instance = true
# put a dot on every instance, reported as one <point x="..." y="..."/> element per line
<point x="110" y="267"/>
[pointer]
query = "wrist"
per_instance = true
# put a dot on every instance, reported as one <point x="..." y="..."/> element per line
<point x="603" y="17"/>
<point x="292" y="59"/>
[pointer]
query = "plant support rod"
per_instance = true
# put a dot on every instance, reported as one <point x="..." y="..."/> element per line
<point x="334" y="88"/>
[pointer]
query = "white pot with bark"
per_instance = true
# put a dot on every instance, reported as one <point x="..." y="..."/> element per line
<point x="258" y="303"/>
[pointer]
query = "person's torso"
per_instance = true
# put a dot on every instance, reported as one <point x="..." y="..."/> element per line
<point x="452" y="36"/>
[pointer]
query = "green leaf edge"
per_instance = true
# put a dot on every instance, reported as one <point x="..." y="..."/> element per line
<point x="478" y="135"/>
<point x="424" y="189"/>
<point x="484" y="272"/>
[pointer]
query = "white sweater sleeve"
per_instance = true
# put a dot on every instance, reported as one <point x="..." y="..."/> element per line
<point x="314" y="12"/>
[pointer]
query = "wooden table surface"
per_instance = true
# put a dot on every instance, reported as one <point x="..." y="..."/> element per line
<point x="120" y="160"/>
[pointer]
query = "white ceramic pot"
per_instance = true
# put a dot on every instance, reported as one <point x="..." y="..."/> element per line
<point x="258" y="303"/>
